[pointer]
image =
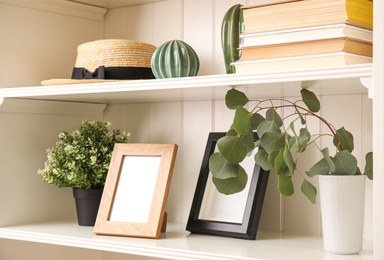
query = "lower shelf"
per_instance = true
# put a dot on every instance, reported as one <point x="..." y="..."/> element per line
<point x="177" y="243"/>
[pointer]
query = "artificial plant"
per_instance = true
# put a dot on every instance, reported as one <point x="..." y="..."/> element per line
<point x="81" y="159"/>
<point x="282" y="144"/>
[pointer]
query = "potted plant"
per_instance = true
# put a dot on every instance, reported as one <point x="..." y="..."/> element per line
<point x="81" y="160"/>
<point x="282" y="145"/>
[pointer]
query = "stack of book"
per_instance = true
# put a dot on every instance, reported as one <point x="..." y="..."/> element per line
<point x="297" y="34"/>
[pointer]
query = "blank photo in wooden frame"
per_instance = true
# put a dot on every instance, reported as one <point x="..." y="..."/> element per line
<point x="136" y="190"/>
<point x="236" y="215"/>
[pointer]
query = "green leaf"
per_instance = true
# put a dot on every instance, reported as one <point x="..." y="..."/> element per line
<point x="358" y="172"/>
<point x="285" y="185"/>
<point x="345" y="138"/>
<point x="261" y="158"/>
<point x="345" y="163"/>
<point x="248" y="141"/>
<point x="292" y="126"/>
<point x="242" y="120"/>
<point x="309" y="190"/>
<point x="256" y="120"/>
<point x="267" y="126"/>
<point x="369" y="165"/>
<point x="328" y="158"/>
<point x="221" y="169"/>
<point x="235" y="98"/>
<point x="320" y="168"/>
<point x="301" y="117"/>
<point x="272" y="141"/>
<point x="231" y="132"/>
<point x="272" y="115"/>
<point x="298" y="143"/>
<point x="279" y="165"/>
<point x="272" y="156"/>
<point x="232" y="149"/>
<point x="231" y="185"/>
<point x="289" y="160"/>
<point x="310" y="100"/>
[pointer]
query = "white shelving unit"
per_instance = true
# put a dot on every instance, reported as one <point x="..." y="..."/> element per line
<point x="177" y="243"/>
<point x="52" y="29"/>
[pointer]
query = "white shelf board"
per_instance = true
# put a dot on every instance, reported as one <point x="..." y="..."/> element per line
<point x="177" y="243"/>
<point x="331" y="80"/>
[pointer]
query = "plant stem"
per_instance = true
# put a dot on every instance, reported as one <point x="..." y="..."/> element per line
<point x="308" y="112"/>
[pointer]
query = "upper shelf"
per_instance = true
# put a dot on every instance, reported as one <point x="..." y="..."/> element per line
<point x="324" y="81"/>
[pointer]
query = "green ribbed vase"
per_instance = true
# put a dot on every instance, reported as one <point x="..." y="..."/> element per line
<point x="175" y="59"/>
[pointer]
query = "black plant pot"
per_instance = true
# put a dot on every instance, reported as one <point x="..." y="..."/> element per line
<point x="87" y="205"/>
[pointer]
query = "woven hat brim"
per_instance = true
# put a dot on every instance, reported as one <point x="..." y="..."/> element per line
<point x="54" y="82"/>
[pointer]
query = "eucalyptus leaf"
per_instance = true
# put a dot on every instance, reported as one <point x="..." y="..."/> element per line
<point x="298" y="143"/>
<point x="302" y="120"/>
<point x="368" y="170"/>
<point x="285" y="185"/>
<point x="272" y="141"/>
<point x="232" y="149"/>
<point x="320" y="168"/>
<point x="310" y="100"/>
<point x="345" y="163"/>
<point x="248" y="141"/>
<point x="261" y="158"/>
<point x="279" y="165"/>
<point x="289" y="160"/>
<point x="328" y="158"/>
<point x="235" y="98"/>
<point x="232" y="132"/>
<point x="256" y="120"/>
<point x="272" y="156"/>
<point x="242" y="120"/>
<point x="272" y="115"/>
<point x="267" y="126"/>
<point x="231" y="185"/>
<point x="358" y="172"/>
<point x="309" y="190"/>
<point x="221" y="169"/>
<point x="292" y="126"/>
<point x="345" y="138"/>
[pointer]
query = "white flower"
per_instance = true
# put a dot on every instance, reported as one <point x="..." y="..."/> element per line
<point x="93" y="160"/>
<point x="68" y="148"/>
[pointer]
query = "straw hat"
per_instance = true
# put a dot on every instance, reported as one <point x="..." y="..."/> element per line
<point x="109" y="60"/>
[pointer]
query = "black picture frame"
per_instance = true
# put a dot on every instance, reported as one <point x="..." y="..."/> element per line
<point x="247" y="229"/>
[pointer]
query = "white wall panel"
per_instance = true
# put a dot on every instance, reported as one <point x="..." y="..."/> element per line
<point x="40" y="45"/>
<point x="198" y="30"/>
<point x="167" y="21"/>
<point x="116" y="24"/>
<point x="197" y="123"/>
<point x="299" y="214"/>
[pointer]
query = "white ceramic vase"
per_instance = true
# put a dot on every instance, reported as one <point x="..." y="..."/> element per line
<point x="342" y="200"/>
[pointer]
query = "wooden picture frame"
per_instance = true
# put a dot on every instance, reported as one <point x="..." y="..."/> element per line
<point x="245" y="208"/>
<point x="136" y="190"/>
